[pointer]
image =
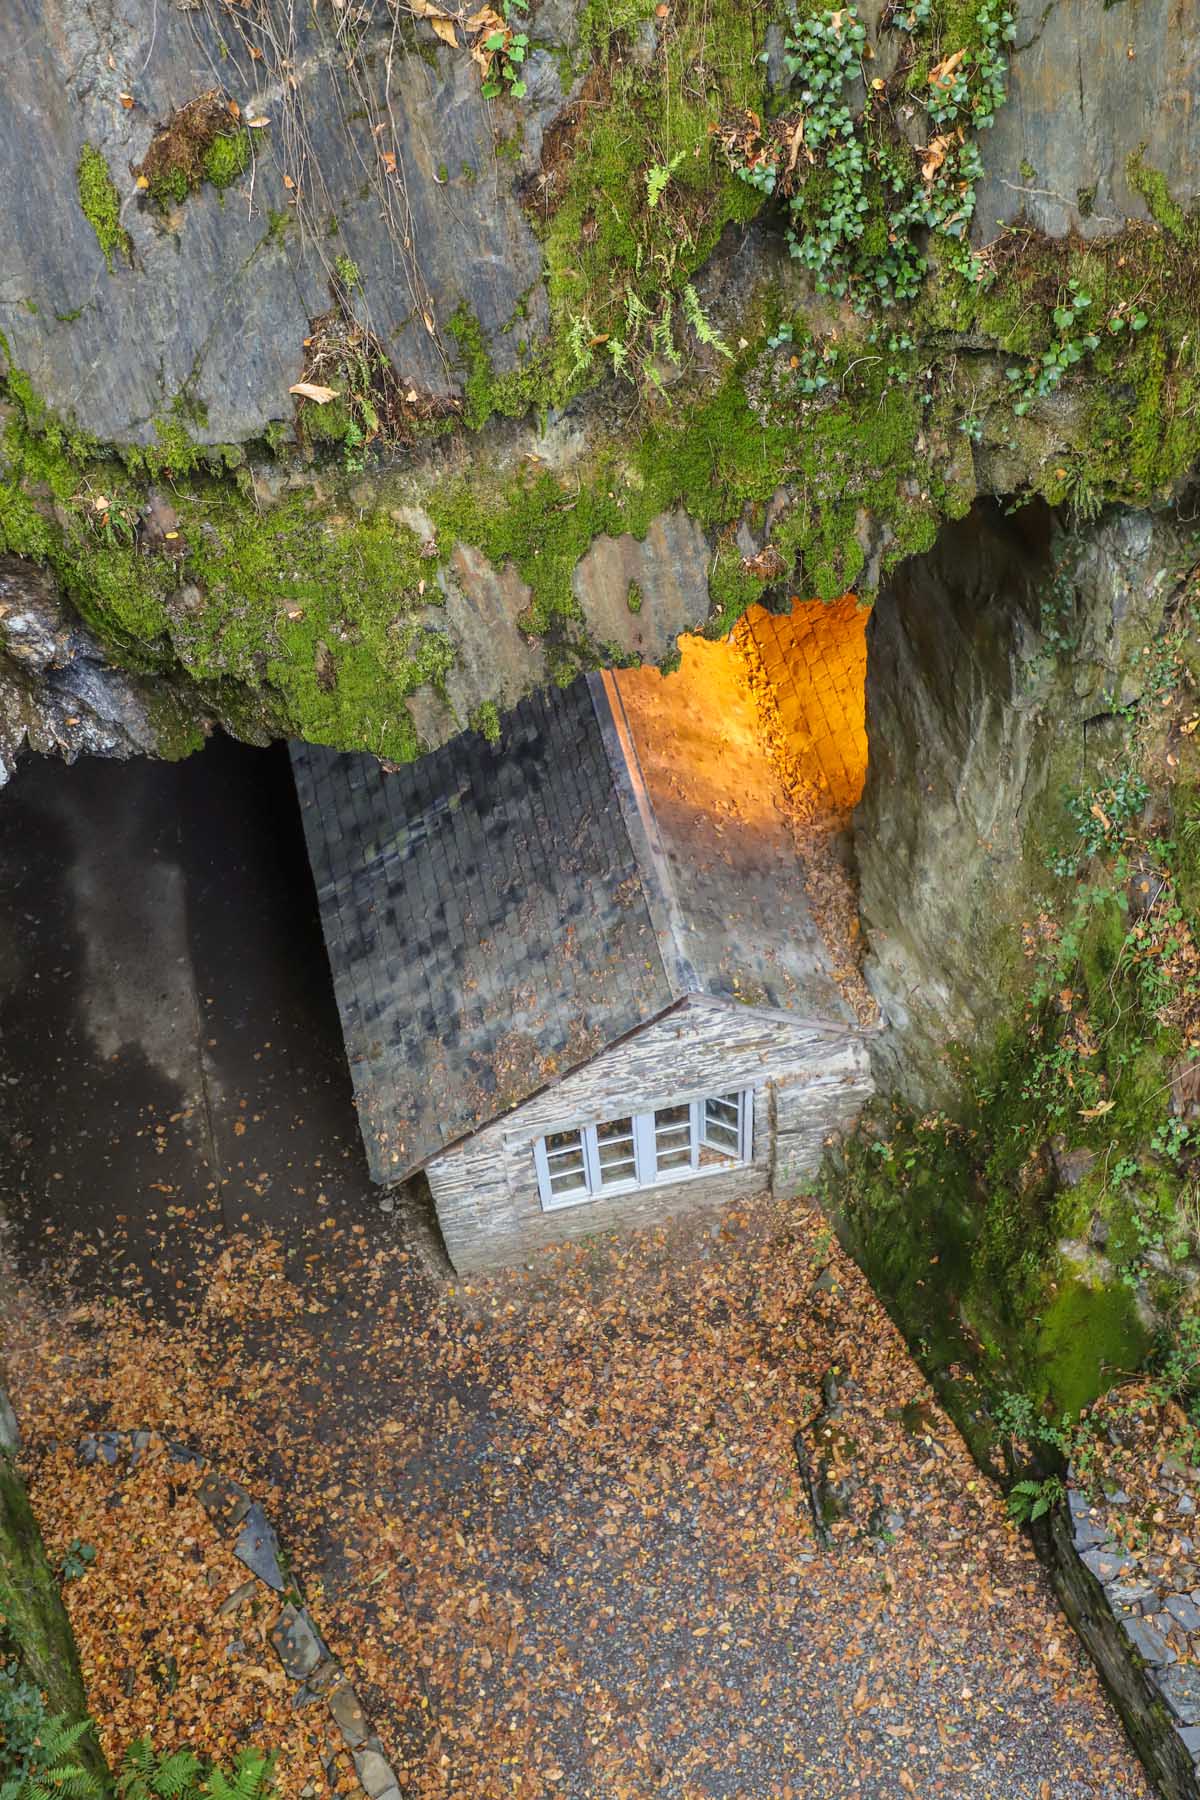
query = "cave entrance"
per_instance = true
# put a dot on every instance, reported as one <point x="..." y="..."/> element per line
<point x="764" y="733"/>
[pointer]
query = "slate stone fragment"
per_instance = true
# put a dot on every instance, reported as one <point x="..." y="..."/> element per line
<point x="1149" y="1643"/>
<point x="1131" y="1593"/>
<point x="1180" y="1688"/>
<point x="1106" y="1564"/>
<point x="258" y="1547"/>
<point x="239" y="1597"/>
<point x="1183" y="1610"/>
<point x="297" y="1642"/>
<point x="226" y="1502"/>
<point x="349" y="1716"/>
<point x="183" y="1453"/>
<point x="324" y="1677"/>
<point x="1088" y="1534"/>
<point x="375" y="1772"/>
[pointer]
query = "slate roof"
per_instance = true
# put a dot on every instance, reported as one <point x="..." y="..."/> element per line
<point x="496" y="915"/>
<point x="485" y="921"/>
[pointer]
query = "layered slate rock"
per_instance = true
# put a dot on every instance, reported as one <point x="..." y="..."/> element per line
<point x="1134" y="1597"/>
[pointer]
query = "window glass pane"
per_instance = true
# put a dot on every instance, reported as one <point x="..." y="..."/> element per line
<point x="565" y="1162"/>
<point x="721" y="1119"/>
<point x="614" y="1145"/>
<point x="673" y="1137"/>
<point x="568" y="1181"/>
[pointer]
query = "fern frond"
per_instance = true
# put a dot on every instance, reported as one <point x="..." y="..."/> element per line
<point x="59" y="1737"/>
<point x="579" y="336"/>
<point x="74" y="1782"/>
<point x="176" y="1775"/>
<point x="146" y="1775"/>
<point x="700" y="323"/>
<point x="662" y="335"/>
<point x="250" y="1779"/>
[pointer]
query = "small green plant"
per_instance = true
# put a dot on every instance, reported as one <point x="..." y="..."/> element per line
<point x="227" y="157"/>
<point x="657" y="177"/>
<point x="486" y="721"/>
<point x="506" y="50"/>
<point x="347" y="272"/>
<point x="858" y="205"/>
<point x="100" y="204"/>
<point x="644" y="337"/>
<point x="1030" y="1500"/>
<point x="1103" y="816"/>
<point x="1033" y="381"/>
<point x="51" y="1769"/>
<point x="77" y="1560"/>
<point x="181" y="1775"/>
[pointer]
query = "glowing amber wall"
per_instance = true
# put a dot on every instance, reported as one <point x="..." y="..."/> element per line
<point x="815" y="659"/>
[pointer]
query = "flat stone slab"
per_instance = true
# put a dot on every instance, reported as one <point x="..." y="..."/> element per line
<point x="1150" y="1645"/>
<point x="1180" y="1688"/>
<point x="1106" y="1565"/>
<point x="181" y="1453"/>
<point x="258" y="1547"/>
<point x="237" y="1599"/>
<point x="1183" y="1610"/>
<point x="375" y="1772"/>
<point x="226" y="1502"/>
<point x="348" y="1715"/>
<point x="1131" y="1593"/>
<point x="1089" y="1534"/>
<point x="297" y="1642"/>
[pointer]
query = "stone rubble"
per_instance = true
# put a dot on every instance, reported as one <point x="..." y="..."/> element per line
<point x="316" y="1674"/>
<point x="1153" y="1595"/>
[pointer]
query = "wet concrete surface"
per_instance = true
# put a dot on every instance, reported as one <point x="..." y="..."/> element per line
<point x="170" y="1052"/>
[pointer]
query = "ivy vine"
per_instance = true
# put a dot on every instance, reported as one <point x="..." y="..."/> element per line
<point x="860" y="199"/>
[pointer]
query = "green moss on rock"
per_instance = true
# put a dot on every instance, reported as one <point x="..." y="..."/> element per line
<point x="100" y="204"/>
<point x="33" y="1623"/>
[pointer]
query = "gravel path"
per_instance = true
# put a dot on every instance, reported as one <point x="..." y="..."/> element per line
<point x="556" y="1524"/>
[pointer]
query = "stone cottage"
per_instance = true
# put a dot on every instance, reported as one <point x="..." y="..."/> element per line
<point x="578" y="978"/>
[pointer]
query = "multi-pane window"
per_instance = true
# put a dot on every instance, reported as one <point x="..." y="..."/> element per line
<point x="693" y="1137"/>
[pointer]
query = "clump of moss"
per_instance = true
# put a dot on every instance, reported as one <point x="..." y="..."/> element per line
<point x="100" y="204"/>
<point x="227" y="157"/>
<point x="1151" y="184"/>
<point x="202" y="141"/>
<point x="631" y="199"/>
<point x="486" y="720"/>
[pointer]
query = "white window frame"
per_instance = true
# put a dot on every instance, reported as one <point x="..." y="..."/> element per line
<point x="647" y="1173"/>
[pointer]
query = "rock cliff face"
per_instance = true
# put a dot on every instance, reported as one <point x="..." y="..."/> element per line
<point x="997" y="667"/>
<point x="569" y="355"/>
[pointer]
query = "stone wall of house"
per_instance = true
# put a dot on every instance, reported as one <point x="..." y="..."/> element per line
<point x="486" y="1191"/>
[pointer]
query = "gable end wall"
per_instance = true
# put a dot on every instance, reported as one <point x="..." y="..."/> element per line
<point x="806" y="1084"/>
